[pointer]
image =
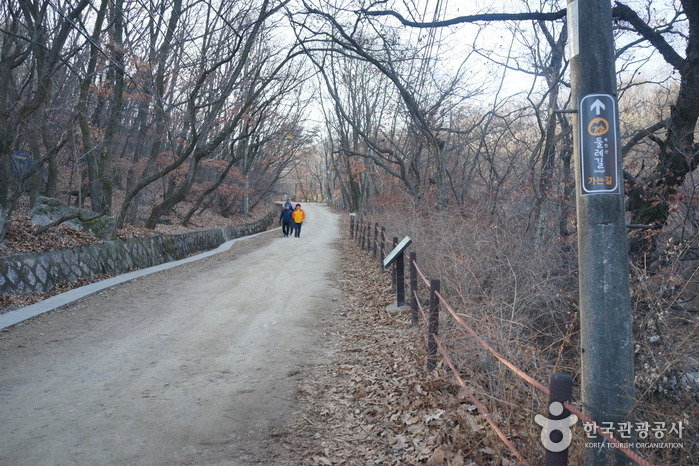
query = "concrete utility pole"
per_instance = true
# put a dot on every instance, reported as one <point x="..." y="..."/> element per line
<point x="605" y="301"/>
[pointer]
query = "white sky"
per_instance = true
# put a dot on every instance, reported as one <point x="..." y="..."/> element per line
<point x="454" y="43"/>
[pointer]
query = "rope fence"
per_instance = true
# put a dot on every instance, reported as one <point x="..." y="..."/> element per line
<point x="361" y="233"/>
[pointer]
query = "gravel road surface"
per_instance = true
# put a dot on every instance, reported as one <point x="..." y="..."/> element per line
<point x="192" y="365"/>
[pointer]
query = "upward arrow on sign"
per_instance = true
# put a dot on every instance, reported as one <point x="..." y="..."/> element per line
<point x="597" y="106"/>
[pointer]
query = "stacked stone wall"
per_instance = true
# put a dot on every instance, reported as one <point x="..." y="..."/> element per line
<point x="41" y="271"/>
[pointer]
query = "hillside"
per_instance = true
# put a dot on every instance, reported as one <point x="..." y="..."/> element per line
<point x="20" y="239"/>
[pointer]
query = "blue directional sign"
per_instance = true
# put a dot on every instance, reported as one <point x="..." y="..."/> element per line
<point x="599" y="154"/>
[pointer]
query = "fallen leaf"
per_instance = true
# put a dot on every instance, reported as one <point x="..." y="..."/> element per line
<point x="437" y="457"/>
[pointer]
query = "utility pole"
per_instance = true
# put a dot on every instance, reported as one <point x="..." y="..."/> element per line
<point x="605" y="302"/>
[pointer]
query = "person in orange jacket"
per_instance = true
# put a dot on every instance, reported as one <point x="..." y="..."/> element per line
<point x="298" y="215"/>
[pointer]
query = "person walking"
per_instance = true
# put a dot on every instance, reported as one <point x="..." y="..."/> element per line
<point x="285" y="220"/>
<point x="298" y="215"/>
<point x="292" y="228"/>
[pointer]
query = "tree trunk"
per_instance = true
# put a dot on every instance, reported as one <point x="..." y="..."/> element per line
<point x="178" y="196"/>
<point x="116" y="107"/>
<point x="678" y="155"/>
<point x="149" y="174"/>
<point x="82" y="109"/>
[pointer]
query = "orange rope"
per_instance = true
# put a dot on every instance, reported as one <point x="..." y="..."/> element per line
<point x="480" y="407"/>
<point x="628" y="452"/>
<point x="502" y="359"/>
<point x="427" y="282"/>
<point x="470" y="394"/>
<point x="631" y="454"/>
<point x="618" y="445"/>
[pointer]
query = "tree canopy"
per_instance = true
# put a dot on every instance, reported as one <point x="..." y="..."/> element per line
<point x="137" y="107"/>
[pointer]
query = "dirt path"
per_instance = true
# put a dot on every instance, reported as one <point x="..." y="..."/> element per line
<point x="194" y="365"/>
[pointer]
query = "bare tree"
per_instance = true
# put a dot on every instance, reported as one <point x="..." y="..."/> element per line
<point x="417" y="88"/>
<point x="226" y="86"/>
<point x="650" y="192"/>
<point x="33" y="39"/>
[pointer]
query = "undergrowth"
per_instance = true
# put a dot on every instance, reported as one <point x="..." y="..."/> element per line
<point x="520" y="294"/>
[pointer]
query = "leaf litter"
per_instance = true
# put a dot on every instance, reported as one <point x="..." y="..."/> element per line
<point x="374" y="402"/>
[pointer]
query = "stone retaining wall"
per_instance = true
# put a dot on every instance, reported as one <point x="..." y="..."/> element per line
<point x="40" y="272"/>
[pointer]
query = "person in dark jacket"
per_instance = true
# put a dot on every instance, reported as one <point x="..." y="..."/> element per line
<point x="285" y="220"/>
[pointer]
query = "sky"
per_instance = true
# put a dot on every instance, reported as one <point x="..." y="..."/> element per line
<point x="496" y="50"/>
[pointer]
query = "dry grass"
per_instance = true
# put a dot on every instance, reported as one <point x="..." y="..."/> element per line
<point x="521" y="297"/>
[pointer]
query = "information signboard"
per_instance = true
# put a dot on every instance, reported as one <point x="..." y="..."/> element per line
<point x="400" y="247"/>
<point x="599" y="154"/>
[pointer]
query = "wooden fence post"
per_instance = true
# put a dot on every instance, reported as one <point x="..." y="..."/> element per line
<point x="400" y="280"/>
<point x="376" y="234"/>
<point x="560" y="390"/>
<point x="364" y="227"/>
<point x="433" y="325"/>
<point x="352" y="227"/>
<point x="413" y="289"/>
<point x="368" y="237"/>
<point x="383" y="245"/>
<point x="393" y="268"/>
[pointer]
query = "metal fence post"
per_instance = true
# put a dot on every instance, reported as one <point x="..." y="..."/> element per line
<point x="413" y="288"/>
<point x="560" y="390"/>
<point x="433" y="325"/>
<point x="351" y="227"/>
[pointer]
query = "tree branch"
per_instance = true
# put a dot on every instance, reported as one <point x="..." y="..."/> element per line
<point x="78" y="215"/>
<point x="622" y="12"/>
<point x="531" y="16"/>
<point x="647" y="132"/>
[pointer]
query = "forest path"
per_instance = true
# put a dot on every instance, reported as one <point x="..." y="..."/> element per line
<point x="192" y="365"/>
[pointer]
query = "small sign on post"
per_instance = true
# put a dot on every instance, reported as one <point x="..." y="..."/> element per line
<point x="598" y="144"/>
<point x="400" y="247"/>
<point x="397" y="256"/>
